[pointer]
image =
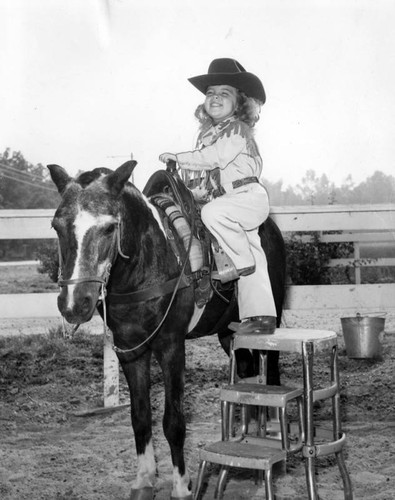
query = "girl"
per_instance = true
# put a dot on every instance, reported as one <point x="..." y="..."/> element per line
<point x="238" y="203"/>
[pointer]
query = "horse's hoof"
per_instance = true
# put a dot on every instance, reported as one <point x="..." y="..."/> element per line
<point x="146" y="493"/>
<point x="188" y="497"/>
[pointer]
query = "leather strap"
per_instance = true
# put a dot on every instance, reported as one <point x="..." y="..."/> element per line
<point x="243" y="182"/>
<point x="153" y="292"/>
<point x="235" y="184"/>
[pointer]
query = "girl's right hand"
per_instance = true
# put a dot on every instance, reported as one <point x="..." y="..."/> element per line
<point x="165" y="157"/>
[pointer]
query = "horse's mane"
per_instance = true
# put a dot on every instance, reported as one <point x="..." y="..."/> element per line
<point x="87" y="178"/>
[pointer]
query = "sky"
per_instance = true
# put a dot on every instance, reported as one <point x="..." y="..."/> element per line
<point x="86" y="84"/>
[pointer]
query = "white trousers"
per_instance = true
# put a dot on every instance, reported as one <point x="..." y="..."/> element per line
<point x="234" y="219"/>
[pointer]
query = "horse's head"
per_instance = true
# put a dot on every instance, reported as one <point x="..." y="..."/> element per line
<point x="87" y="224"/>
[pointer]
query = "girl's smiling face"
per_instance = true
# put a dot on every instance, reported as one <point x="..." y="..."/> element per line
<point x="221" y="102"/>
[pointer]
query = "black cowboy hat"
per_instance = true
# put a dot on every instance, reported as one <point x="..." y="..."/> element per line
<point x="227" y="71"/>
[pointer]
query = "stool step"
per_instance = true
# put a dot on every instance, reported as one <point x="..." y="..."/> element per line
<point x="241" y="454"/>
<point x="259" y="394"/>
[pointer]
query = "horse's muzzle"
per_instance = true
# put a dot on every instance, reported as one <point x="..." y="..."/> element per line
<point x="77" y="303"/>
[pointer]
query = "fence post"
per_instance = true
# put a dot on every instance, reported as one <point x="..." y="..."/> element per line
<point x="111" y="374"/>
<point x="357" y="256"/>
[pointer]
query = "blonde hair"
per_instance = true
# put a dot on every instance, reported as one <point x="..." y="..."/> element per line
<point x="247" y="110"/>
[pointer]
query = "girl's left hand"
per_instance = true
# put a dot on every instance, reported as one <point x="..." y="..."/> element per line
<point x="165" y="157"/>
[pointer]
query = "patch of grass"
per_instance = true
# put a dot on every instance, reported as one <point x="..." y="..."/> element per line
<point x="40" y="359"/>
<point x="25" y="279"/>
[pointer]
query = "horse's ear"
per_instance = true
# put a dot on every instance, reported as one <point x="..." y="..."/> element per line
<point x="117" y="180"/>
<point x="59" y="176"/>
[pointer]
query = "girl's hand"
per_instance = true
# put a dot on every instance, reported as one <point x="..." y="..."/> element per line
<point x="165" y="157"/>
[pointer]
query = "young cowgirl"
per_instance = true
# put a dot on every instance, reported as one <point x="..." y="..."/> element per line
<point x="238" y="204"/>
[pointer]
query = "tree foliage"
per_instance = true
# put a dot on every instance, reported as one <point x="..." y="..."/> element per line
<point x="48" y="257"/>
<point x="315" y="190"/>
<point x="23" y="185"/>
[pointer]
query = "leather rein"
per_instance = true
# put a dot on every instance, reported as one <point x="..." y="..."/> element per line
<point x="155" y="291"/>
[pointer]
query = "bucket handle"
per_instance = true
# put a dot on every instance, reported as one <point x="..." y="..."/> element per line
<point x="373" y="314"/>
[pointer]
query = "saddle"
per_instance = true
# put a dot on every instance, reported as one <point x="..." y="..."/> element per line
<point x="181" y="216"/>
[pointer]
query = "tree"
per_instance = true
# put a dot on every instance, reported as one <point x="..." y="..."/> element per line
<point x="379" y="188"/>
<point x="23" y="185"/>
<point x="314" y="190"/>
<point x="317" y="190"/>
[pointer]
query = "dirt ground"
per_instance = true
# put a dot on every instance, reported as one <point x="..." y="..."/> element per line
<point x="47" y="452"/>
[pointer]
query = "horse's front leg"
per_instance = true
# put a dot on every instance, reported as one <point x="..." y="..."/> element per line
<point x="171" y="357"/>
<point x="137" y="374"/>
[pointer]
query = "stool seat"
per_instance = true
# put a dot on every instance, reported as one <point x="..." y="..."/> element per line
<point x="284" y="339"/>
<point x="259" y="394"/>
<point x="242" y="454"/>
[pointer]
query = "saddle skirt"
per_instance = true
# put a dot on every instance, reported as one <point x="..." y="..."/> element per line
<point x="181" y="214"/>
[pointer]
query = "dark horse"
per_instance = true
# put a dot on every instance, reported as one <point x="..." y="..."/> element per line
<point x="111" y="235"/>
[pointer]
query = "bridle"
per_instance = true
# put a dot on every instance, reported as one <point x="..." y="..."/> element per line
<point x="115" y="246"/>
<point x="181" y="282"/>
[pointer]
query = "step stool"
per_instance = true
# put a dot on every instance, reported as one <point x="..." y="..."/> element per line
<point x="306" y="343"/>
<point x="258" y="452"/>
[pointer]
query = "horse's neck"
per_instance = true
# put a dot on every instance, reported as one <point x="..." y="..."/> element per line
<point x="144" y="240"/>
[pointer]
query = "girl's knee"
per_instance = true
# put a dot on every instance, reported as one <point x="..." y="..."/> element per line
<point x="207" y="214"/>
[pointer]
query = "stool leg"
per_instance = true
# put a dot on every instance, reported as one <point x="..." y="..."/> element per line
<point x="348" y="495"/>
<point x="261" y="432"/>
<point x="302" y="432"/>
<point x="245" y="419"/>
<point x="219" y="490"/>
<point x="231" y="381"/>
<point x="232" y="419"/>
<point x="284" y="429"/>
<point x="199" y="481"/>
<point x="308" y="449"/>
<point x="269" y="484"/>
<point x="225" y="420"/>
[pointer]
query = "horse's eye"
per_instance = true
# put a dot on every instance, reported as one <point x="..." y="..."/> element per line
<point x="109" y="229"/>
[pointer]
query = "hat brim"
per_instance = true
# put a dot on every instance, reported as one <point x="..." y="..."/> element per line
<point x="245" y="82"/>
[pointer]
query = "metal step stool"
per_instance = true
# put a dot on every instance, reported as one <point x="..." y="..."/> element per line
<point x="306" y="343"/>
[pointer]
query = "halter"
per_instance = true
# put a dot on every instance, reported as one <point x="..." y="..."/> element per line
<point x="181" y="282"/>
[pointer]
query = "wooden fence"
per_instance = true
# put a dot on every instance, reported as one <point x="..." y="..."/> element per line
<point x="368" y="224"/>
<point x="358" y="224"/>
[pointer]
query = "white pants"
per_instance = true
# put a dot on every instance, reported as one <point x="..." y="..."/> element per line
<point x="234" y="220"/>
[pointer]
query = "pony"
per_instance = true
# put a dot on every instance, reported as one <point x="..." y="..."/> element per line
<point x="115" y="255"/>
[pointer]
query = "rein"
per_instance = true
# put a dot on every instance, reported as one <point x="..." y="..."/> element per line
<point x="156" y="291"/>
<point x="176" y="289"/>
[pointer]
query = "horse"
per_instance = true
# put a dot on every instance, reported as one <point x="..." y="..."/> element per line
<point x="115" y="255"/>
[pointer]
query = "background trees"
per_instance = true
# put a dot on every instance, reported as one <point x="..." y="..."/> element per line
<point x="314" y="190"/>
<point x="23" y="185"/>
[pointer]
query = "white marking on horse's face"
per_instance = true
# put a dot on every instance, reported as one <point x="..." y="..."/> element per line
<point x="146" y="468"/>
<point x="181" y="484"/>
<point x="83" y="222"/>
